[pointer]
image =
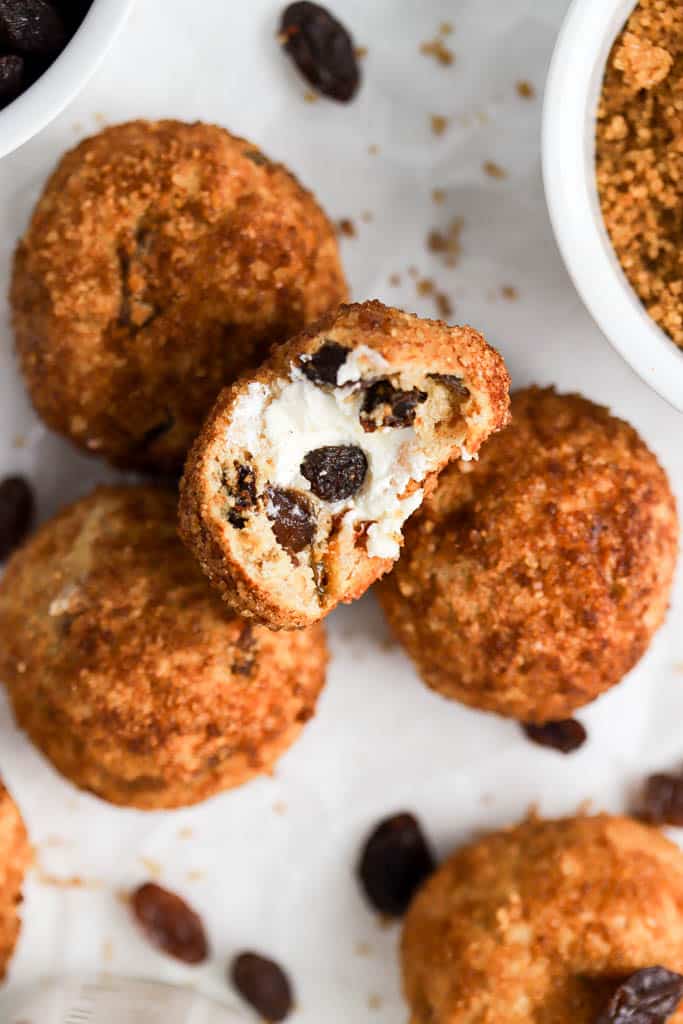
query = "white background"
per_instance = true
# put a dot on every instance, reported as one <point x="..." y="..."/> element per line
<point x="275" y="859"/>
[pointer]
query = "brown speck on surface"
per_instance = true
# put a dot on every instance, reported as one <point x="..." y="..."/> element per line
<point x="446" y="28"/>
<point x="310" y="96"/>
<point x="153" y="867"/>
<point x="425" y="286"/>
<point x="439" y="124"/>
<point x="361" y="52"/>
<point x="123" y="896"/>
<point x="509" y="292"/>
<point x="494" y="170"/>
<point x="394" y="280"/>
<point x="413" y="272"/>
<point x="186" y="832"/>
<point x="19" y="440"/>
<point x="373" y="149"/>
<point x="66" y="882"/>
<point x="439" y="195"/>
<point x="374" y="1001"/>
<point x="280" y="807"/>
<point x="447" y="242"/>
<point x="101" y="120"/>
<point x="444" y="305"/>
<point x="362" y="949"/>
<point x="437" y="49"/>
<point x="525" y="90"/>
<point x="639" y="158"/>
<point x="196" y="875"/>
<point x="346" y="228"/>
<point x="367" y="216"/>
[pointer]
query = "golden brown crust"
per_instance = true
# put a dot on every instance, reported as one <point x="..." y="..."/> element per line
<point x="533" y="580"/>
<point x="14" y="862"/>
<point x="540" y="923"/>
<point x="161" y="261"/>
<point x="130" y="674"/>
<point x="405" y="342"/>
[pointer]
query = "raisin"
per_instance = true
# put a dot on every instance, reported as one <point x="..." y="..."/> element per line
<point x="31" y="26"/>
<point x="395" y="861"/>
<point x="170" y="923"/>
<point x="336" y="471"/>
<point x="663" y="800"/>
<point x="291" y="519"/>
<point x="17" y="509"/>
<point x="453" y="383"/>
<point x="322" y="49"/>
<point x="650" y="996"/>
<point x="11" y="78"/>
<point x="566" y="735"/>
<point x="243" y="494"/>
<point x="263" y="984"/>
<point x="387" y="406"/>
<point x="324" y="365"/>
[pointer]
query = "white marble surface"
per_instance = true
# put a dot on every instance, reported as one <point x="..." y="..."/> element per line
<point x="276" y="858"/>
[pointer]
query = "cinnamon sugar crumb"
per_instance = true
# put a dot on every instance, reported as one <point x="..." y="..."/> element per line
<point x="447" y="242"/>
<point x="437" y="49"/>
<point x="439" y="195"/>
<point x="375" y="1001"/>
<point x="446" y="28"/>
<point x="444" y="305"/>
<point x="509" y="292"/>
<point x="346" y="228"/>
<point x="526" y="90"/>
<point x="425" y="286"/>
<point x="439" y="124"/>
<point x="361" y="52"/>
<point x="373" y="149"/>
<point x="394" y="280"/>
<point x="153" y="867"/>
<point x="493" y="169"/>
<point x="311" y="97"/>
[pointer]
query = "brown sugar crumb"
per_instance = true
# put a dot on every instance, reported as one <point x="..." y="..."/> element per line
<point x="425" y="286"/>
<point x="447" y="242"/>
<point x="367" y="216"/>
<point x="639" y="158"/>
<point x="493" y="169"/>
<point x="437" y="49"/>
<point x="196" y="875"/>
<point x="446" y="28"/>
<point x="439" y="124"/>
<point x="444" y="305"/>
<point x="153" y="867"/>
<point x="373" y="149"/>
<point x="394" y="280"/>
<point x="107" y="951"/>
<point x="310" y="96"/>
<point x="186" y="832"/>
<point x="362" y="949"/>
<point x="280" y="807"/>
<point x="413" y="272"/>
<point x="346" y="228"/>
<point x="439" y="195"/>
<point x="525" y="90"/>
<point x="509" y="292"/>
<point x="361" y="52"/>
<point x="374" y="1001"/>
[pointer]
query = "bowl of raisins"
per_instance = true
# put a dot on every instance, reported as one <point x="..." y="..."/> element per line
<point x="48" y="51"/>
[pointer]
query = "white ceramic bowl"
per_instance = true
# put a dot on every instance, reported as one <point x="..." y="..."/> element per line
<point x="571" y="98"/>
<point x="35" y="108"/>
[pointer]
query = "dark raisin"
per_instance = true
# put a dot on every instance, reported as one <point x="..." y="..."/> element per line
<point x="11" y="78"/>
<point x="245" y="651"/>
<point x="31" y="26"/>
<point x="17" y="509"/>
<point x="387" y="406"/>
<point x="322" y="49"/>
<point x="336" y="471"/>
<point x="453" y="383"/>
<point x="566" y="735"/>
<point x="170" y="924"/>
<point x="242" y="493"/>
<point x="395" y="861"/>
<point x="263" y="984"/>
<point x="291" y="519"/>
<point x="649" y="996"/>
<point x="663" y="800"/>
<point x="324" y="365"/>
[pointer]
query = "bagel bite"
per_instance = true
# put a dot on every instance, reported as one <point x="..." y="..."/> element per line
<point x="533" y="580"/>
<point x="130" y="674"/>
<point x="161" y="261"/>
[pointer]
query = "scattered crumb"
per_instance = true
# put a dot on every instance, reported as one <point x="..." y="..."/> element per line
<point x="19" y="440"/>
<point x="101" y="120"/>
<point x="439" y="195"/>
<point x="152" y="866"/>
<point x="107" y="951"/>
<point x="196" y="875"/>
<point x="493" y="169"/>
<point x="446" y="28"/>
<point x="373" y="149"/>
<point x="362" y="949"/>
<point x="394" y="280"/>
<point x="66" y="882"/>
<point x="346" y="228"/>
<point x="361" y="52"/>
<point x="311" y="97"/>
<point x="374" y="1001"/>
<point x="525" y="90"/>
<point x="280" y="807"/>
<point x="186" y="832"/>
<point x="439" y="124"/>
<point x="425" y="286"/>
<point x="444" y="305"/>
<point x="52" y="841"/>
<point x="413" y="272"/>
<point x="447" y="242"/>
<point x="367" y="216"/>
<point x="508" y="291"/>
<point x="123" y="896"/>
<point x="437" y="49"/>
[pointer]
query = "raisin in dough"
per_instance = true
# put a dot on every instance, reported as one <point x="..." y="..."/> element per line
<point x="296" y="491"/>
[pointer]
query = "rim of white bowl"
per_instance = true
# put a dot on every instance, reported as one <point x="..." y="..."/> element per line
<point x="568" y="145"/>
<point x="30" y="112"/>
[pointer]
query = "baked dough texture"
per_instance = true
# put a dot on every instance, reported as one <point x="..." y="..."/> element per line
<point x="130" y="674"/>
<point x="533" y="580"/>
<point x="161" y="261"/>
<point x="15" y="859"/>
<point x="296" y="491"/>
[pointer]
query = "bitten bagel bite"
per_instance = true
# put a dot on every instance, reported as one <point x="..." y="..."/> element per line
<point x="296" y="490"/>
<point x="129" y="672"/>
<point x="161" y="261"/>
<point x="15" y="859"/>
<point x="533" y="580"/>
<point x="543" y="923"/>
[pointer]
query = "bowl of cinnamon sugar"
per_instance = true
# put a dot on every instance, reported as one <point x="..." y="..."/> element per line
<point x="613" y="172"/>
